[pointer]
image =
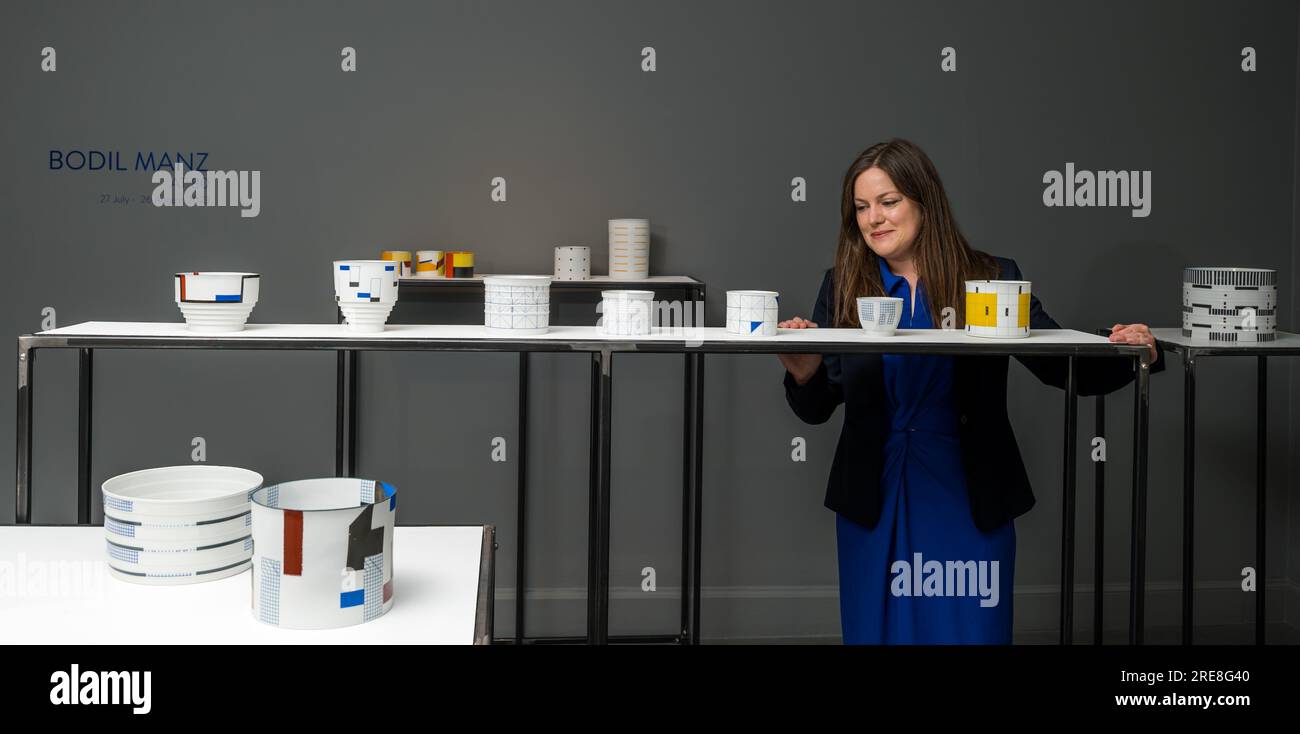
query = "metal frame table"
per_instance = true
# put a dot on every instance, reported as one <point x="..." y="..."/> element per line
<point x="690" y="341"/>
<point x="428" y="290"/>
<point x="1285" y="345"/>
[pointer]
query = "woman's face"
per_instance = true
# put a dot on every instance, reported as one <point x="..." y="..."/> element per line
<point x="888" y="220"/>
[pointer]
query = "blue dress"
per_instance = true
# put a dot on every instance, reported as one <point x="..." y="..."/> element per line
<point x="925" y="574"/>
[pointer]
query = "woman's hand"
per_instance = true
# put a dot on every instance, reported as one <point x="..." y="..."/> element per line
<point x="1135" y="334"/>
<point x="801" y="366"/>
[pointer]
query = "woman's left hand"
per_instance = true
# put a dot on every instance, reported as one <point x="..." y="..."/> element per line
<point x="1135" y="334"/>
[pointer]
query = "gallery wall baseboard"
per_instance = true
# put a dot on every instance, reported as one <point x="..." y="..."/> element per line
<point x="811" y="613"/>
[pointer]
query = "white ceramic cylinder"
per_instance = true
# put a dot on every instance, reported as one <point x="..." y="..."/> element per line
<point x="1229" y="305"/>
<point x="629" y="249"/>
<point x="430" y="264"/>
<point x="998" y="309"/>
<point x="626" y="312"/>
<point x="517" y="304"/>
<point x="323" y="552"/>
<point x="753" y="313"/>
<point x="572" y="263"/>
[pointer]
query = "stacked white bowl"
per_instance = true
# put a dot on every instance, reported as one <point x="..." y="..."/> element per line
<point x="629" y="249"/>
<point x="179" y="524"/>
<point x="626" y="313"/>
<point x="366" y="291"/>
<point x="517" y="304"/>
<point x="215" y="302"/>
<point x="752" y="313"/>
<point x="572" y="263"/>
<point x="1230" y="304"/>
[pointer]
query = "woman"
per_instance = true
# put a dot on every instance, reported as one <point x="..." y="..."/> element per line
<point x="927" y="468"/>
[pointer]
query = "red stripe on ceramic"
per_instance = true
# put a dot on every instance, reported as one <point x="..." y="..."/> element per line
<point x="293" y="542"/>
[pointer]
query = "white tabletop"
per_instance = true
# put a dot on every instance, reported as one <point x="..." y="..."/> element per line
<point x="1284" y="342"/>
<point x="595" y="280"/>
<point x="461" y="332"/>
<point x="55" y="588"/>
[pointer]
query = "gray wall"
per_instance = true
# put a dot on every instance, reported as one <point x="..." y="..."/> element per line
<point x="552" y="97"/>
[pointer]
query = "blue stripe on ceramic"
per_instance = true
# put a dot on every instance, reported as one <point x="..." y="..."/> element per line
<point x="268" y="597"/>
<point x="373" y="582"/>
<point x="119" y="528"/>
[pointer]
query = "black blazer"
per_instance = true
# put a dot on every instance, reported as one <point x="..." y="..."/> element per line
<point x="995" y="473"/>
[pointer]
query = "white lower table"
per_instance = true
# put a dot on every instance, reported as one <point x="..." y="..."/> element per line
<point x="55" y="589"/>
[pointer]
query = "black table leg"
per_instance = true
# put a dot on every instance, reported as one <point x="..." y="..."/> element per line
<point x="688" y="475"/>
<point x="1137" y="568"/>
<point x="1261" y="440"/>
<point x="1189" y="489"/>
<point x="598" y="540"/>
<point x="340" y="416"/>
<point x="1068" y="505"/>
<point x="1099" y="529"/>
<point x="345" y="428"/>
<point x="353" y="358"/>
<point x="521" y="517"/>
<point x="23" y="489"/>
<point x="698" y="515"/>
<point x="85" y="407"/>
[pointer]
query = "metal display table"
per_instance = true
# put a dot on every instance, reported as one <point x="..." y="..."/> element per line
<point x="445" y="571"/>
<point x="1285" y="345"/>
<point x="430" y="290"/>
<point x="690" y="341"/>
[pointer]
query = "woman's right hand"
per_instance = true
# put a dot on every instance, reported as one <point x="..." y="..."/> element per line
<point x="801" y="366"/>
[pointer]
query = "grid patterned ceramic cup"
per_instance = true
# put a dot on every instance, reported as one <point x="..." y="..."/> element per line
<point x="879" y="315"/>
<point x="517" y="304"/>
<point x="752" y="313"/>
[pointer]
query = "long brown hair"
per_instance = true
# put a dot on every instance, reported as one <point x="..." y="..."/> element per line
<point x="944" y="259"/>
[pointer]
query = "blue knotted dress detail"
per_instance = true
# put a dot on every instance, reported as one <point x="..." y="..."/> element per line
<point x="925" y="574"/>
